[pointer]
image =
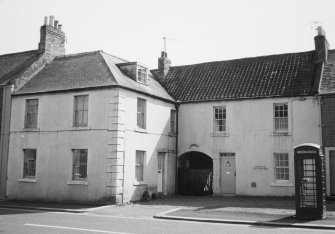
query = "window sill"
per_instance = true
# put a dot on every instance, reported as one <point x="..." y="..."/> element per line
<point x="140" y="183"/>
<point x="281" y="134"/>
<point x="77" y="183"/>
<point x="28" y="180"/>
<point x="282" y="184"/>
<point x="141" y="130"/>
<point x="219" y="134"/>
<point x="78" y="128"/>
<point x="30" y="129"/>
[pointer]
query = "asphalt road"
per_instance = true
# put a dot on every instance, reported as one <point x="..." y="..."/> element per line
<point x="26" y="221"/>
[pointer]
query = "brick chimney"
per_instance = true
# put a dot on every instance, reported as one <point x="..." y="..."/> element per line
<point x="163" y="64"/>
<point x="52" y="40"/>
<point x="321" y="46"/>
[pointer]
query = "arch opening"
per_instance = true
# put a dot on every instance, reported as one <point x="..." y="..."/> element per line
<point x="195" y="174"/>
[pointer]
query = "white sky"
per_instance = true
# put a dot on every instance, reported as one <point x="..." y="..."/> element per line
<point x="197" y="31"/>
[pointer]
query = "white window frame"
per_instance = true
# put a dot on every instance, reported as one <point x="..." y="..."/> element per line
<point x="281" y="162"/>
<point x="139" y="165"/>
<point x="27" y="164"/>
<point x="80" y="111"/>
<point x="76" y="166"/>
<point x="217" y="117"/>
<point x="141" y="113"/>
<point x="142" y="75"/>
<point x="280" y="117"/>
<point x="31" y="113"/>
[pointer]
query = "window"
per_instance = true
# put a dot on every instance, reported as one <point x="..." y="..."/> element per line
<point x="219" y="118"/>
<point x="280" y="117"/>
<point x="142" y="75"/>
<point x="31" y="113"/>
<point x="281" y="167"/>
<point x="29" y="168"/>
<point x="139" y="166"/>
<point x="79" y="164"/>
<point x="173" y="121"/>
<point x="141" y="113"/>
<point x="80" y="111"/>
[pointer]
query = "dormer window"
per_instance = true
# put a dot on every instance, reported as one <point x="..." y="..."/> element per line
<point x="142" y="75"/>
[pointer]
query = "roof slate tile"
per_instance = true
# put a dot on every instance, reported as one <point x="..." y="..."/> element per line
<point x="275" y="75"/>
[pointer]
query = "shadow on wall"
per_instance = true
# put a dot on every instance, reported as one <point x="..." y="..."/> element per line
<point x="148" y="189"/>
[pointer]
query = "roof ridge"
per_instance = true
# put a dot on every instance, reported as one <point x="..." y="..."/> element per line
<point x="239" y="59"/>
<point x="101" y="51"/>
<point x="78" y="54"/>
<point x="16" y="53"/>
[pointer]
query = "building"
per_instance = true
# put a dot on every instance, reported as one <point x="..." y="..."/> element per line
<point x="15" y="70"/>
<point x="239" y="120"/>
<point x="91" y="127"/>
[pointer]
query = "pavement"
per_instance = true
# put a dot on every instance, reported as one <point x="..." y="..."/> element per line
<point x="264" y="211"/>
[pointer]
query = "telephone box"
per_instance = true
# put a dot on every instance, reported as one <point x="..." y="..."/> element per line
<point x="310" y="182"/>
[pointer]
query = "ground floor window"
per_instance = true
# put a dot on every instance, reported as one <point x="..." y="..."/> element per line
<point x="139" y="165"/>
<point x="29" y="168"/>
<point x="281" y="167"/>
<point x="79" y="164"/>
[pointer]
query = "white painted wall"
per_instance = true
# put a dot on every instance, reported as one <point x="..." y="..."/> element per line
<point x="55" y="138"/>
<point x="250" y="135"/>
<point x="154" y="138"/>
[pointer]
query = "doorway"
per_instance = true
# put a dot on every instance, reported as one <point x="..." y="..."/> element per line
<point x="195" y="174"/>
<point x="228" y="173"/>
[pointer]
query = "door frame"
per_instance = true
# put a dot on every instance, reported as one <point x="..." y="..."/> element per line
<point x="327" y="150"/>
<point x="164" y="155"/>
<point x="221" y="159"/>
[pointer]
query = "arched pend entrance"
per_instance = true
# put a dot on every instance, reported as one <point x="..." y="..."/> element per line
<point x="195" y="174"/>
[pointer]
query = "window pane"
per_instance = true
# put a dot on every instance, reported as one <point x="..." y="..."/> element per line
<point x="81" y="111"/>
<point x="281" y="166"/>
<point x="219" y="118"/>
<point x="29" y="167"/>
<point x="281" y="117"/>
<point x="141" y="113"/>
<point x="139" y="165"/>
<point x="79" y="164"/>
<point x="31" y="113"/>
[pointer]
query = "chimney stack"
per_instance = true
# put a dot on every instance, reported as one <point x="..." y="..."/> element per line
<point x="163" y="65"/>
<point x="321" y="46"/>
<point x="52" y="38"/>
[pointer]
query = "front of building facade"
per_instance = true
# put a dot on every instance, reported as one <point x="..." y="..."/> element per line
<point x="93" y="127"/>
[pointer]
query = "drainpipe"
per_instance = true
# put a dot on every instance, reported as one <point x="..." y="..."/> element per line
<point x="177" y="104"/>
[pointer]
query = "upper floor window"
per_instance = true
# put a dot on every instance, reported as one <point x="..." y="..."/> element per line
<point x="280" y="117"/>
<point x="281" y="167"/>
<point x="219" y="118"/>
<point x="141" y="113"/>
<point x="80" y="111"/>
<point x="31" y="113"/>
<point x="173" y="121"/>
<point x="79" y="171"/>
<point x="29" y="167"/>
<point x="142" y="75"/>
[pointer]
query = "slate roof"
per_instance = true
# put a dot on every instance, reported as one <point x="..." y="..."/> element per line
<point x="328" y="76"/>
<point x="12" y="64"/>
<point x="87" y="70"/>
<point x="266" y="76"/>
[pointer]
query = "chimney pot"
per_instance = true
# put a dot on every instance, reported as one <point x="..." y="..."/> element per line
<point x="45" y="20"/>
<point x="56" y="24"/>
<point x="59" y="27"/>
<point x="321" y="31"/>
<point x="51" y="20"/>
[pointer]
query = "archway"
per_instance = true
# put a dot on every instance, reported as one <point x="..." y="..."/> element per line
<point x="195" y="174"/>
